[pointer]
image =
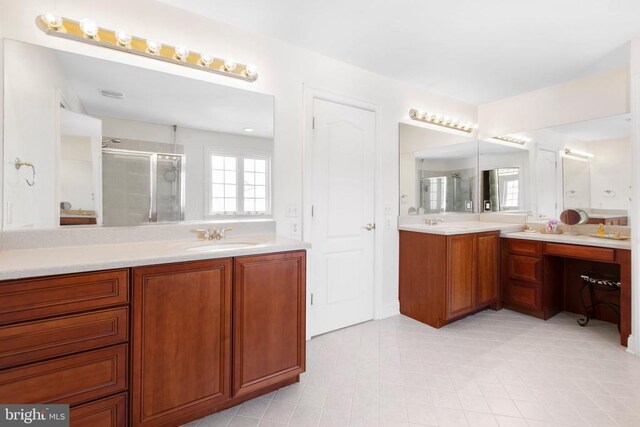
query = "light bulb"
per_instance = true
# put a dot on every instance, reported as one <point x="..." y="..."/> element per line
<point x="181" y="53"/>
<point x="89" y="28"/>
<point x="438" y="118"/>
<point x="205" y="60"/>
<point x="251" y="70"/>
<point x="53" y="20"/>
<point x="417" y="114"/>
<point x="123" y="38"/>
<point x="154" y="46"/>
<point x="229" y="65"/>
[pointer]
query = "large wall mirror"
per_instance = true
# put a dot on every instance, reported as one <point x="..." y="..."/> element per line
<point x="582" y="165"/>
<point x="94" y="142"/>
<point x="438" y="171"/>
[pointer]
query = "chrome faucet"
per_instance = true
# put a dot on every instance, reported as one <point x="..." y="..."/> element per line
<point x="213" y="233"/>
<point x="433" y="221"/>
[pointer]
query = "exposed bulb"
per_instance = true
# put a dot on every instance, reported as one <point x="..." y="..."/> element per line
<point x="229" y="65"/>
<point x="123" y="38"/>
<point x="182" y="53"/>
<point x="205" y="60"/>
<point x="89" y="28"/>
<point x="53" y="20"/>
<point x="251" y="70"/>
<point x="416" y="114"/>
<point x="154" y="47"/>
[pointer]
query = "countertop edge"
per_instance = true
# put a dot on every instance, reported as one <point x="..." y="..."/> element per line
<point x="114" y="263"/>
<point x="605" y="243"/>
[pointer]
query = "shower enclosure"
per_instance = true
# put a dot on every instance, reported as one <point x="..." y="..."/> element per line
<point x="142" y="187"/>
<point x="451" y="193"/>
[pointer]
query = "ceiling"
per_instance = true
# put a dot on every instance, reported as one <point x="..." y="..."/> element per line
<point x="155" y="97"/>
<point x="476" y="51"/>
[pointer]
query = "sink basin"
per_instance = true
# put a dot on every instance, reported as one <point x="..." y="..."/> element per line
<point x="222" y="246"/>
<point x="445" y="227"/>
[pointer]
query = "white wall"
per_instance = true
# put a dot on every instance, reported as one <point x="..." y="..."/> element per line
<point x="284" y="72"/>
<point x="591" y="97"/>
<point x="33" y="85"/>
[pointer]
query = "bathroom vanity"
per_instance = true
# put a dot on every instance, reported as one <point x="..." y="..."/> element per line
<point x="152" y="343"/>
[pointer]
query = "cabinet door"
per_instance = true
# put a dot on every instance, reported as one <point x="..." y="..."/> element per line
<point x="488" y="288"/>
<point x="181" y="340"/>
<point x="269" y="320"/>
<point x="461" y="275"/>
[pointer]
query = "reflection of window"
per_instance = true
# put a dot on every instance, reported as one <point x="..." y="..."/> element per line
<point x="239" y="184"/>
<point x="511" y="194"/>
<point x="510" y="184"/>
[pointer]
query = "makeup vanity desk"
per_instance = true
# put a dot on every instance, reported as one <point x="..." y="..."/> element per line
<point x="541" y="274"/>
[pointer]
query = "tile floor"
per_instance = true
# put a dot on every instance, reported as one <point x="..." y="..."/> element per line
<point x="490" y="369"/>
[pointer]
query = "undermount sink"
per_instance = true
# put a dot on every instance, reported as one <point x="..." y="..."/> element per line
<point x="222" y="246"/>
<point x="446" y="227"/>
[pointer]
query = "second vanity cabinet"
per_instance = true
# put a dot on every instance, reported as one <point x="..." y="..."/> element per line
<point x="444" y="278"/>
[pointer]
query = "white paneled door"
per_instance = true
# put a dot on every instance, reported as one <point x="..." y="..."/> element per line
<point x="343" y="228"/>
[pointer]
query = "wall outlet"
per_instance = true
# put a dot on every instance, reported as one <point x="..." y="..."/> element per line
<point x="388" y="224"/>
<point x="294" y="228"/>
<point x="291" y="211"/>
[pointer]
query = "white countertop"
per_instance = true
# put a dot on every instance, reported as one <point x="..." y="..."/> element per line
<point x="21" y="263"/>
<point x="461" y="227"/>
<point x="572" y="240"/>
<point x="606" y="216"/>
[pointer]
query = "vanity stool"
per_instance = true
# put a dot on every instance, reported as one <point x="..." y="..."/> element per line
<point x="602" y="282"/>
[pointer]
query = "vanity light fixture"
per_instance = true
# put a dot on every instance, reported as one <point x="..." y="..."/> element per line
<point x="579" y="154"/>
<point x="440" y="120"/>
<point x="88" y="31"/>
<point x="512" y="139"/>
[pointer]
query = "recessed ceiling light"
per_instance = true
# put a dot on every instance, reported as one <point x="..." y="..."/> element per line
<point x="112" y="94"/>
<point x="248" y="129"/>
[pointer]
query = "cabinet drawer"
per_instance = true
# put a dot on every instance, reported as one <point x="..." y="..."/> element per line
<point x="72" y="379"/>
<point x="523" y="294"/>
<point x="29" y="342"/>
<point x="30" y="299"/>
<point x="525" y="268"/>
<point x="524" y="247"/>
<point x="575" y="251"/>
<point x="109" y="412"/>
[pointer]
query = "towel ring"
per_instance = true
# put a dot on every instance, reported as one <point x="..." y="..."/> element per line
<point x="19" y="163"/>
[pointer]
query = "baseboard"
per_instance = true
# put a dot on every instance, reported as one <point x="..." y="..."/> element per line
<point x="388" y="310"/>
<point x="631" y="345"/>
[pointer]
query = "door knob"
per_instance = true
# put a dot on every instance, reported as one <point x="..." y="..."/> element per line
<point x="369" y="227"/>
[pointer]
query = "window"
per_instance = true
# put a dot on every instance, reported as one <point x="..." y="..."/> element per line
<point x="239" y="184"/>
<point x="510" y="184"/>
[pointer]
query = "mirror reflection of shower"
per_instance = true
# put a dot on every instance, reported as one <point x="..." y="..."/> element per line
<point x="449" y="192"/>
<point x="143" y="182"/>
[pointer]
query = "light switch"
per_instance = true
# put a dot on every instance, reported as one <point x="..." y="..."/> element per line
<point x="388" y="209"/>
<point x="291" y="211"/>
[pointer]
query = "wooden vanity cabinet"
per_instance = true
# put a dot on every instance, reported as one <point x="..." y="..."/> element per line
<point x="269" y="300"/>
<point x="181" y="341"/>
<point x="64" y="340"/>
<point x="208" y="335"/>
<point x="444" y="278"/>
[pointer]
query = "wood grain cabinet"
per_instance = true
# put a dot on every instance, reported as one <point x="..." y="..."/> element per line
<point x="444" y="278"/>
<point x="64" y="339"/>
<point x="269" y="300"/>
<point x="181" y="340"/>
<point x="193" y="338"/>
<point x="188" y="360"/>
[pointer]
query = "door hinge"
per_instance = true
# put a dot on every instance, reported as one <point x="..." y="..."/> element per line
<point x="313" y="122"/>
<point x="312" y="211"/>
<point x="312" y="298"/>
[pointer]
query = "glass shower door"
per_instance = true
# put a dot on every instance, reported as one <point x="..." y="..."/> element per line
<point x="126" y="187"/>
